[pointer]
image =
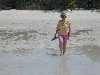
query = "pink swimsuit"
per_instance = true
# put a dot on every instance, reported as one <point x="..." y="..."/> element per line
<point x="62" y="40"/>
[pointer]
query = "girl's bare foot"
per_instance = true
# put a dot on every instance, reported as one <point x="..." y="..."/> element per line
<point x="64" y="50"/>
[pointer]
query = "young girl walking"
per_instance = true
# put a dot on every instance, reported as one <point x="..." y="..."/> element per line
<point x="63" y="32"/>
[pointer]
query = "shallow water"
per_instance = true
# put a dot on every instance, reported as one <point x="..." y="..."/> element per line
<point x="26" y="47"/>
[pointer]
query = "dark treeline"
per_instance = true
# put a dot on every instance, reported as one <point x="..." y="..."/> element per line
<point x="49" y="4"/>
<point x="7" y="4"/>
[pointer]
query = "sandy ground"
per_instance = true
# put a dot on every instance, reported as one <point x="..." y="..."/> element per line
<point x="26" y="47"/>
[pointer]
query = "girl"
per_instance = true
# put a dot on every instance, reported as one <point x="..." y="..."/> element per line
<point x="63" y="32"/>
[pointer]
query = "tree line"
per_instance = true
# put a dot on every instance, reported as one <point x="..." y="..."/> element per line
<point x="49" y="4"/>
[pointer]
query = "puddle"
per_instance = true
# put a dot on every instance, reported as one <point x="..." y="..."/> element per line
<point x="79" y="32"/>
<point x="92" y="52"/>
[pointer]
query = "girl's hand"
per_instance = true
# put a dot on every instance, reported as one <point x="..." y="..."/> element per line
<point x="55" y="37"/>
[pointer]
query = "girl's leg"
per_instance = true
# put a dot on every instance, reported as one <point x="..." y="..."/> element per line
<point x="60" y="43"/>
<point x="64" y="43"/>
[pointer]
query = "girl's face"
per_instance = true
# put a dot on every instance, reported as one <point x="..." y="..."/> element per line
<point x="63" y="17"/>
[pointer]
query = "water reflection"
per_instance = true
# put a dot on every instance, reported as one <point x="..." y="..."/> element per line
<point x="62" y="67"/>
<point x="82" y="60"/>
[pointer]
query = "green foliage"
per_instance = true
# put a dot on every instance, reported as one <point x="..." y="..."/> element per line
<point x="48" y="4"/>
<point x="71" y="4"/>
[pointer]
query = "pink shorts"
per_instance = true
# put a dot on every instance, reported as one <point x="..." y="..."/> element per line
<point x="63" y="39"/>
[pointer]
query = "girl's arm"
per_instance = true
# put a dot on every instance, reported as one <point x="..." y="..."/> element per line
<point x="69" y="30"/>
<point x="57" y="28"/>
<point x="55" y="35"/>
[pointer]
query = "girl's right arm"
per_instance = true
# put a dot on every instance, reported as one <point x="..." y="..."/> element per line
<point x="57" y="28"/>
